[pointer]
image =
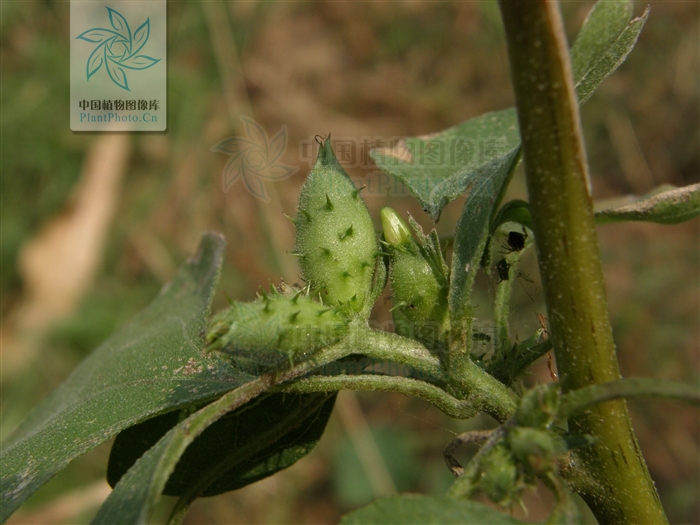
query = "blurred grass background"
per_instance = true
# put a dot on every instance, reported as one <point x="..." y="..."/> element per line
<point x="87" y="242"/>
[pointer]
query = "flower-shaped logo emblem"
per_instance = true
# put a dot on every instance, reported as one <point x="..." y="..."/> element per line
<point x="254" y="159"/>
<point x="118" y="49"/>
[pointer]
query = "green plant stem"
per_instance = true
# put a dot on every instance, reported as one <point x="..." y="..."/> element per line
<point x="471" y="384"/>
<point x="484" y="394"/>
<point x="567" y="246"/>
<point x="501" y="310"/>
<point x="451" y="406"/>
<point x="386" y="347"/>
<point x="581" y="399"/>
<point x="467" y="255"/>
<point x="468" y="382"/>
<point x="178" y="513"/>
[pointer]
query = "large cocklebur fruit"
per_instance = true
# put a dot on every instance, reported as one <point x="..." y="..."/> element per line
<point x="335" y="239"/>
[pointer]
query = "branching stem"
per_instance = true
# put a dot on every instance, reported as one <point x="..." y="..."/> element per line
<point x="451" y="406"/>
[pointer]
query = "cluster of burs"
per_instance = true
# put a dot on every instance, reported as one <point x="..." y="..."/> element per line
<point x="345" y="265"/>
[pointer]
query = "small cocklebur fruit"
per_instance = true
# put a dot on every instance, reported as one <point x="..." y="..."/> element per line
<point x="419" y="282"/>
<point x="276" y="330"/>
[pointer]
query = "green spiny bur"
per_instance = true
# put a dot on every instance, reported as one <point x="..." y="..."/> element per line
<point x="335" y="236"/>
<point x="276" y="329"/>
<point x="419" y="282"/>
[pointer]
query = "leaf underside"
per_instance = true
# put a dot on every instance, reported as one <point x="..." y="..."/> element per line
<point x="293" y="423"/>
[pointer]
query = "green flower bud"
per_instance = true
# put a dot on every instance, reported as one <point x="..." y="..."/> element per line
<point x="499" y="478"/>
<point x="419" y="282"/>
<point x="274" y="330"/>
<point x="396" y="231"/>
<point x="539" y="406"/>
<point x="335" y="240"/>
<point x="536" y="449"/>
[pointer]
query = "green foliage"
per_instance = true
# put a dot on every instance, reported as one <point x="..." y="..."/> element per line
<point x="335" y="240"/>
<point x="499" y="476"/>
<point x="440" y="167"/>
<point x="607" y="37"/>
<point x="663" y="206"/>
<point x="151" y="366"/>
<point x="134" y="497"/>
<point x="538" y="407"/>
<point x="415" y="509"/>
<point x="511" y="362"/>
<point x="232" y="452"/>
<point x="536" y="449"/>
<point x="200" y="409"/>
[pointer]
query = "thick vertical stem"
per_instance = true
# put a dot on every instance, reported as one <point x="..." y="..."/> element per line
<point x="567" y="247"/>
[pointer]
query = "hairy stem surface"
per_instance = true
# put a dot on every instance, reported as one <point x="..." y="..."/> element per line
<point x="567" y="247"/>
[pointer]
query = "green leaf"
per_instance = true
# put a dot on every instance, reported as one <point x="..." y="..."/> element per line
<point x="151" y="366"/>
<point x="133" y="497"/>
<point x="133" y="442"/>
<point x="136" y="493"/>
<point x="600" y="30"/>
<point x="513" y="211"/>
<point x="662" y="206"/>
<point x="437" y="168"/>
<point x="233" y="452"/>
<point x="606" y="38"/>
<point x="471" y="234"/>
<point x="426" y="510"/>
<point x="578" y="400"/>
<point x="508" y="365"/>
